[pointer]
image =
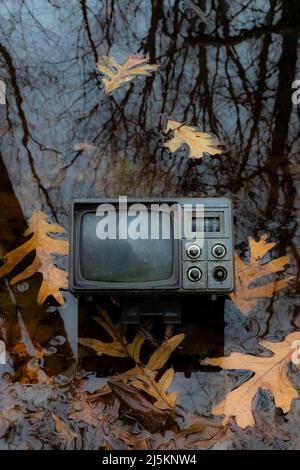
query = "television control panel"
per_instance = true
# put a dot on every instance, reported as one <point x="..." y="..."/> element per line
<point x="208" y="263"/>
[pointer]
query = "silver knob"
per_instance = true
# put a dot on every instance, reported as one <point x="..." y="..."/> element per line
<point x="218" y="251"/>
<point x="193" y="251"/>
<point x="194" y="274"/>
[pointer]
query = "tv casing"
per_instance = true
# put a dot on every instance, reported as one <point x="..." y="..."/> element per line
<point x="178" y="284"/>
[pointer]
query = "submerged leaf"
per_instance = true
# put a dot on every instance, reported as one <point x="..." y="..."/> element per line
<point x="270" y="373"/>
<point x="198" y="142"/>
<point x="245" y="296"/>
<point x="44" y="246"/>
<point x="141" y="377"/>
<point x="156" y="389"/>
<point x="111" y="349"/>
<point x="119" y="347"/>
<point x="64" y="432"/>
<point x="151" y="417"/>
<point x="117" y="75"/>
<point x="162" y="354"/>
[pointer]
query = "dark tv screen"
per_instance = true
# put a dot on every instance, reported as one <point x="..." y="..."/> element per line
<point x="117" y="260"/>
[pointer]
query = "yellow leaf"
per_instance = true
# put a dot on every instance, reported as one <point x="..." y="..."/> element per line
<point x="245" y="295"/>
<point x="64" y="432"/>
<point x="142" y="377"/>
<point x="198" y="142"/>
<point x="111" y="349"/>
<point x="162" y="354"/>
<point x="156" y="389"/>
<point x="270" y="373"/>
<point x="117" y="75"/>
<point x="134" y="348"/>
<point x="59" y="423"/>
<point x="44" y="246"/>
<point x="118" y="347"/>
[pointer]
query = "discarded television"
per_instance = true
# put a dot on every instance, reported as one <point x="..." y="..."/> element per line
<point x="155" y="248"/>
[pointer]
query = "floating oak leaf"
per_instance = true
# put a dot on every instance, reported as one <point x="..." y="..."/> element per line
<point x="44" y="246"/>
<point x="202" y="433"/>
<point x="151" y="417"/>
<point x="64" y="432"/>
<point x="142" y="376"/>
<point x="270" y="373"/>
<point x="118" y="347"/>
<point x="245" y="295"/>
<point x="90" y="413"/>
<point x="198" y="142"/>
<point x="117" y="75"/>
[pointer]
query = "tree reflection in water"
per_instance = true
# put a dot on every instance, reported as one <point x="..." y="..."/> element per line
<point x="232" y="77"/>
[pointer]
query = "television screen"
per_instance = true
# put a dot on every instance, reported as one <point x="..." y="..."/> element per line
<point x="124" y="260"/>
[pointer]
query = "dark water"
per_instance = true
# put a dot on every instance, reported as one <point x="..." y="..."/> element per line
<point x="232" y="77"/>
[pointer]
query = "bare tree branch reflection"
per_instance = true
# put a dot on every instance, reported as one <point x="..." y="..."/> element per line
<point x="231" y="77"/>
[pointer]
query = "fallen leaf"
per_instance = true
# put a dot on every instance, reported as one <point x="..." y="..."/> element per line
<point x="140" y="441"/>
<point x="86" y="412"/>
<point x="44" y="246"/>
<point x="4" y="424"/>
<point x="202" y="434"/>
<point x="156" y="389"/>
<point x="267" y="429"/>
<point x="245" y="296"/>
<point x="163" y="352"/>
<point x="117" y="75"/>
<point x="111" y="349"/>
<point x="270" y="373"/>
<point x="65" y="433"/>
<point x="142" y="376"/>
<point x="29" y="356"/>
<point x="198" y="142"/>
<point x="152" y="418"/>
<point x="119" y="347"/>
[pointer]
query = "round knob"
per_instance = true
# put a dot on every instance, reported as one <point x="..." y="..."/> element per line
<point x="194" y="274"/>
<point x="193" y="251"/>
<point x="219" y="251"/>
<point x="220" y="273"/>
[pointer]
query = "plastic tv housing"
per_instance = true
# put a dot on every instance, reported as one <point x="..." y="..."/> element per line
<point x="164" y="266"/>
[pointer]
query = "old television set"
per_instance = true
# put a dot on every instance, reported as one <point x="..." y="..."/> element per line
<point x="151" y="248"/>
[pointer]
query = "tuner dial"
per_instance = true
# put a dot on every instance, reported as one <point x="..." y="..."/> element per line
<point x="218" y="251"/>
<point x="193" y="251"/>
<point x="220" y="273"/>
<point x="194" y="274"/>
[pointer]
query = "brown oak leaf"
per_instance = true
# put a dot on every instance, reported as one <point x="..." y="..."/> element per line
<point x="198" y="142"/>
<point x="248" y="272"/>
<point x="142" y="376"/>
<point x="116" y="75"/>
<point x="270" y="373"/>
<point x="44" y="246"/>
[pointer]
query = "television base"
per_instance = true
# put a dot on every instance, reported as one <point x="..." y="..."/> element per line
<point x="133" y="310"/>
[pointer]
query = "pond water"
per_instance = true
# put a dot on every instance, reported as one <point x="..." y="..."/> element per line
<point x="62" y="137"/>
